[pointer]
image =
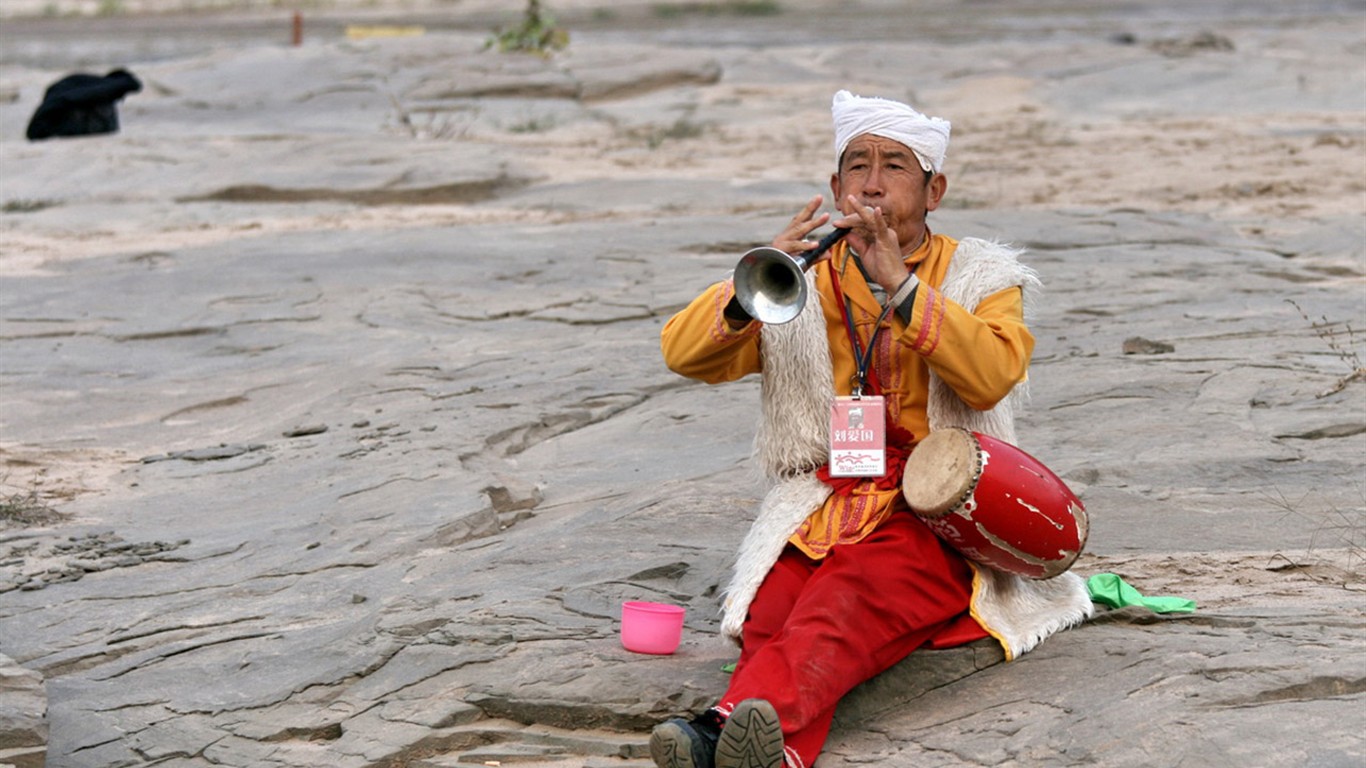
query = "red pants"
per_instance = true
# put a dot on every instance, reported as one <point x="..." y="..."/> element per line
<point x="818" y="628"/>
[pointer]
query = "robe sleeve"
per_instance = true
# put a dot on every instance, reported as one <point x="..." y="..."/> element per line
<point x="699" y="343"/>
<point x="981" y="354"/>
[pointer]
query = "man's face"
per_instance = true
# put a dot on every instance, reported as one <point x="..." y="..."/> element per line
<point x="880" y="172"/>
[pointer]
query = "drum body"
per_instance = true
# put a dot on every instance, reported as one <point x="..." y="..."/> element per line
<point x="995" y="504"/>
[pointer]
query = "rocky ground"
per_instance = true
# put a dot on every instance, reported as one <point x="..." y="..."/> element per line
<point x="334" y="428"/>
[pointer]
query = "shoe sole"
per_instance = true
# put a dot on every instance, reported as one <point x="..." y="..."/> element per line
<point x="671" y="747"/>
<point x="752" y="738"/>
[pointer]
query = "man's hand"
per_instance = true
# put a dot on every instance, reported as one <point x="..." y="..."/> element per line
<point x="793" y="238"/>
<point x="876" y="243"/>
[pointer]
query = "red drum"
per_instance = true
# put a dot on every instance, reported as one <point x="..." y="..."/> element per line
<point x="995" y="504"/>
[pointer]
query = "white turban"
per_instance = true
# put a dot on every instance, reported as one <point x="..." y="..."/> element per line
<point x="927" y="137"/>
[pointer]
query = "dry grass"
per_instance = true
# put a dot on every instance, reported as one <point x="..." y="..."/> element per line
<point x="1343" y="530"/>
<point x="1330" y="332"/>
<point x="25" y="509"/>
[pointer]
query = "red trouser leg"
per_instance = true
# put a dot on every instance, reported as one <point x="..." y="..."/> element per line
<point x="816" y="629"/>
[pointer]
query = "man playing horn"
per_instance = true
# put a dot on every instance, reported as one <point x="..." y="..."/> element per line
<point x="836" y="580"/>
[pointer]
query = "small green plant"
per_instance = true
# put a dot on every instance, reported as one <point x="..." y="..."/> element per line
<point x="533" y="125"/>
<point x="26" y="206"/>
<point x="730" y="7"/>
<point x="682" y="128"/>
<point x="538" y="33"/>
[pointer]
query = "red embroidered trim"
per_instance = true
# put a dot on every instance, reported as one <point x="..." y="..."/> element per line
<point x="720" y="329"/>
<point x="931" y="322"/>
<point x="926" y="318"/>
<point x="938" y="322"/>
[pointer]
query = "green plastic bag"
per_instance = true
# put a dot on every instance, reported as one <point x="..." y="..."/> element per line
<point x="1109" y="589"/>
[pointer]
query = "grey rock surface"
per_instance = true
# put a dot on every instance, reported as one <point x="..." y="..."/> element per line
<point x="341" y="366"/>
<point x="23" y="716"/>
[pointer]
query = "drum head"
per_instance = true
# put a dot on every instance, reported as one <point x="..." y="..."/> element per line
<point x="941" y="471"/>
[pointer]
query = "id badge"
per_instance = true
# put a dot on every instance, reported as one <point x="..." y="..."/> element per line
<point x="858" y="437"/>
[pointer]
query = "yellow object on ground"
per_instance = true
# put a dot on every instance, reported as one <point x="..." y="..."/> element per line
<point x="359" y="32"/>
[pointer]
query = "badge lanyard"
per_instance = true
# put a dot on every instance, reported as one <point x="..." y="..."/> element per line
<point x="864" y="377"/>
<point x="858" y="424"/>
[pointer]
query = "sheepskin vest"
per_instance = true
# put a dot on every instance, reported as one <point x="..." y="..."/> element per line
<point x="793" y="439"/>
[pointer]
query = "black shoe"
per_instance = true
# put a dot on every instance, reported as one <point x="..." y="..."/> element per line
<point x="752" y="738"/>
<point x="680" y="743"/>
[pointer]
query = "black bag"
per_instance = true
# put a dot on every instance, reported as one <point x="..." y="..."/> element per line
<point x="81" y="105"/>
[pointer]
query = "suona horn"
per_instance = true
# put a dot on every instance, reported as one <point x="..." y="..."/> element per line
<point x="771" y="284"/>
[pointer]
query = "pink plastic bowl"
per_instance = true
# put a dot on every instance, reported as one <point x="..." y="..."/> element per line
<point x="651" y="627"/>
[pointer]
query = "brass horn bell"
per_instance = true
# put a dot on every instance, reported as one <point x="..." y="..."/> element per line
<point x="771" y="284"/>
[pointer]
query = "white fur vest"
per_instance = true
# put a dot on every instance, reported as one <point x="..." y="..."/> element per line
<point x="792" y="440"/>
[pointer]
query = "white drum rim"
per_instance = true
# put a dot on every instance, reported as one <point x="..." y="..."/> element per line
<point x="946" y="500"/>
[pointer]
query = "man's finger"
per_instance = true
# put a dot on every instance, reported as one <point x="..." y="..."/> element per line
<point x="807" y="210"/>
<point x="814" y="224"/>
